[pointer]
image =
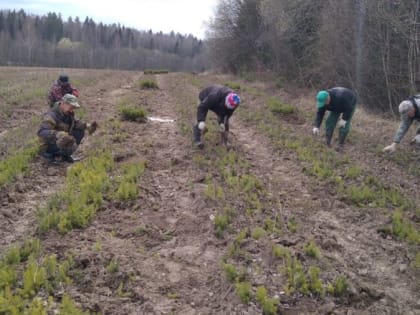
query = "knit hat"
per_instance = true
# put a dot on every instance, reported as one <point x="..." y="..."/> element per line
<point x="321" y="98"/>
<point x="232" y="100"/>
<point x="63" y="78"/>
<point x="405" y="107"/>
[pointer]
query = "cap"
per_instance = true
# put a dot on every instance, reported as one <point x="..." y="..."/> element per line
<point x="63" y="78"/>
<point x="321" y="98"/>
<point x="232" y="100"/>
<point x="70" y="99"/>
<point x="405" y="107"/>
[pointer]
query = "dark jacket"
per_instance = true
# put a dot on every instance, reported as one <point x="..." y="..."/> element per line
<point x="213" y="98"/>
<point x="58" y="90"/>
<point x="342" y="100"/>
<point x="54" y="121"/>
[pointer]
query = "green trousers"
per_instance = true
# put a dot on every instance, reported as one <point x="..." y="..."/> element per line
<point x="331" y="122"/>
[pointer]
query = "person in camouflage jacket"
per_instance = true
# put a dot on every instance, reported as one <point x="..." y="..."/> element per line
<point x="60" y="132"/>
<point x="59" y="88"/>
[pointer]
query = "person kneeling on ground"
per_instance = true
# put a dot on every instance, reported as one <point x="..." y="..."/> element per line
<point x="222" y="101"/>
<point x="60" y="132"/>
<point x="409" y="111"/>
<point x="339" y="101"/>
<point x="59" y="88"/>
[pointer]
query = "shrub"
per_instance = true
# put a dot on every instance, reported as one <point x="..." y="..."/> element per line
<point x="258" y="233"/>
<point x="340" y="286"/>
<point x="277" y="107"/>
<point x="113" y="266"/>
<point x="230" y="271"/>
<point x="148" y="84"/>
<point x="315" y="284"/>
<point x="312" y="250"/>
<point x="133" y="114"/>
<point x="243" y="290"/>
<point x="269" y="305"/>
<point x="281" y="252"/>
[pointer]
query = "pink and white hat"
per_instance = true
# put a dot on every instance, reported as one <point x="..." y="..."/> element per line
<point x="232" y="100"/>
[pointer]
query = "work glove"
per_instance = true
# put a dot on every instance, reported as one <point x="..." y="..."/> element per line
<point x="341" y="123"/>
<point x="201" y="125"/>
<point x="64" y="140"/>
<point x="222" y="127"/>
<point x="315" y="131"/>
<point x="415" y="140"/>
<point x="91" y="127"/>
<point x="391" y="148"/>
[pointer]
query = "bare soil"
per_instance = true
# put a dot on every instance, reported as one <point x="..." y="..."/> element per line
<point x="170" y="260"/>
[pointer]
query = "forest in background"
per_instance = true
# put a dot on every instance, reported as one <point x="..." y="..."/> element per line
<point x="371" y="46"/>
<point x="48" y="41"/>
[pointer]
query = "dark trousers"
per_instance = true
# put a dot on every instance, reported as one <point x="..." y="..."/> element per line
<point x="54" y="150"/>
<point x="196" y="133"/>
<point x="330" y="124"/>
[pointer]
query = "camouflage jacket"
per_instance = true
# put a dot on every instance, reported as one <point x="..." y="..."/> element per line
<point x="58" y="90"/>
<point x="406" y="123"/>
<point x="54" y="121"/>
<point x="213" y="98"/>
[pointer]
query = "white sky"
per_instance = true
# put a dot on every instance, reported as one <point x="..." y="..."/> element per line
<point x="181" y="16"/>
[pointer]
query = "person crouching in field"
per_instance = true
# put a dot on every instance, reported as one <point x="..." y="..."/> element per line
<point x="59" y="88"/>
<point x="409" y="111"/>
<point x="60" y="132"/>
<point x="339" y="101"/>
<point x="223" y="102"/>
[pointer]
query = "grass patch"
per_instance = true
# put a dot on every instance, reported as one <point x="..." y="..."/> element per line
<point x="132" y="113"/>
<point x="27" y="280"/>
<point x="312" y="250"/>
<point x="268" y="305"/>
<point x="148" y="84"/>
<point x="277" y="107"/>
<point x="234" y="86"/>
<point x="128" y="184"/>
<point x="83" y="194"/>
<point x="243" y="290"/>
<point x="17" y="162"/>
<point x="156" y="71"/>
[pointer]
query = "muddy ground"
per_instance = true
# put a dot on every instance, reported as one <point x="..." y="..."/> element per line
<point x="169" y="256"/>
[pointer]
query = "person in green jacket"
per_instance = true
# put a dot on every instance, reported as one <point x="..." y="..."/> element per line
<point x="341" y="103"/>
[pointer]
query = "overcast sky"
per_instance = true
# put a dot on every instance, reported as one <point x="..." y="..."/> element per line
<point x="181" y="16"/>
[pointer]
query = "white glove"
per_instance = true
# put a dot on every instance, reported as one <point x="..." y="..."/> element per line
<point x="201" y="125"/>
<point x="415" y="140"/>
<point x="222" y="128"/>
<point x="342" y="123"/>
<point x="391" y="148"/>
<point x="315" y="131"/>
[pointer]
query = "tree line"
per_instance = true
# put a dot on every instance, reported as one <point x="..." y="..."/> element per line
<point x="371" y="46"/>
<point x="32" y="40"/>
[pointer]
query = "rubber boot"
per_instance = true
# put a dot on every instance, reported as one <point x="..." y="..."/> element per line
<point x="328" y="137"/>
<point x="341" y="139"/>
<point x="197" y="137"/>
